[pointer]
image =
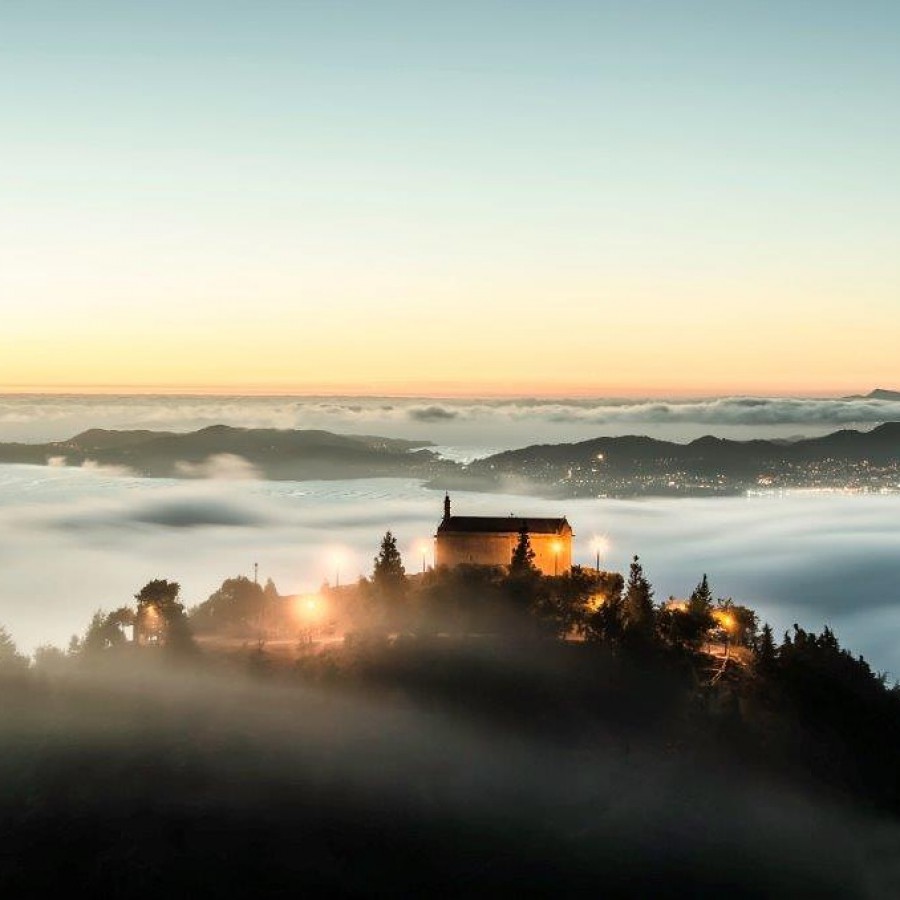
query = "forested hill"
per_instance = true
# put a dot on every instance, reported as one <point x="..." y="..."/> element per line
<point x="631" y="465"/>
<point x="273" y="453"/>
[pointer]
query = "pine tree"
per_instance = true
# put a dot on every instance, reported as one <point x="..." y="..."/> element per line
<point x="522" y="562"/>
<point x="701" y="599"/>
<point x="389" y="574"/>
<point x="638" y="602"/>
<point x="11" y="661"/>
<point x="388" y="564"/>
<point x="766" y="652"/>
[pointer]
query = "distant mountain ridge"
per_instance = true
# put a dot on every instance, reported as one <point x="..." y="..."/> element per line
<point x="632" y="464"/>
<point x="877" y="394"/>
<point x="274" y="453"/>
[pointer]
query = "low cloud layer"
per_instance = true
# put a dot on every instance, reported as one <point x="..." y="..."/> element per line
<point x="73" y="540"/>
<point x="461" y="423"/>
<point x="224" y="466"/>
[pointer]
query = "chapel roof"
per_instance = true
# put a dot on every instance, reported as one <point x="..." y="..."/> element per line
<point x="503" y="525"/>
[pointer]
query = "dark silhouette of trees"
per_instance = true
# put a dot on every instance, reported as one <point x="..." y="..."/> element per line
<point x="766" y="651"/>
<point x="688" y="625"/>
<point x="11" y="661"/>
<point x="742" y="622"/>
<point x="50" y="660"/>
<point x="239" y="604"/>
<point x="562" y="606"/>
<point x="160" y="617"/>
<point x="105" y="631"/>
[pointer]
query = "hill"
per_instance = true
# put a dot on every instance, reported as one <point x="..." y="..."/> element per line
<point x="273" y="453"/>
<point x="877" y="394"/>
<point x="633" y="465"/>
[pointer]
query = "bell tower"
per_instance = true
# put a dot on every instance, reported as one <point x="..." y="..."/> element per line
<point x="446" y="506"/>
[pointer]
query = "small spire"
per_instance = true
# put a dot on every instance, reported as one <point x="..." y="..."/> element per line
<point x="446" y="505"/>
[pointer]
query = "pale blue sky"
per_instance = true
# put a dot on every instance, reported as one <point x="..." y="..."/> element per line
<point x="394" y="178"/>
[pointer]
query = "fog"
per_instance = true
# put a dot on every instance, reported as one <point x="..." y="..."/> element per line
<point x="465" y="427"/>
<point x="73" y="540"/>
<point x="137" y="778"/>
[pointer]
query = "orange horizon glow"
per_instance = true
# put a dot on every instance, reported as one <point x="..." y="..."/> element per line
<point x="437" y="391"/>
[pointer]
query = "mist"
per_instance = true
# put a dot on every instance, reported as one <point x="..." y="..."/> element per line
<point x="74" y="540"/>
<point x="134" y="777"/>
<point x="463" y="428"/>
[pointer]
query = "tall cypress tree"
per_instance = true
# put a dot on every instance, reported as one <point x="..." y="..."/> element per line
<point x="766" y="652"/>
<point x="638" y="610"/>
<point x="389" y="574"/>
<point x="522" y="562"/>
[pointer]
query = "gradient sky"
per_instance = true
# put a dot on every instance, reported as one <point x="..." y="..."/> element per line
<point x="531" y="197"/>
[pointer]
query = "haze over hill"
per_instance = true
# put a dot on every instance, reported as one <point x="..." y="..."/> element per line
<point x="465" y="427"/>
<point x="242" y="452"/>
<point x="609" y="466"/>
<point x="625" y="466"/>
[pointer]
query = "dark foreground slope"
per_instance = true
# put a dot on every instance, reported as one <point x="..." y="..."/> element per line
<point x="415" y="772"/>
<point x="273" y="453"/>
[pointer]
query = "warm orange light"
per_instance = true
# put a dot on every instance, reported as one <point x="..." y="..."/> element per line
<point x="724" y="619"/>
<point x="557" y="547"/>
<point x="308" y="606"/>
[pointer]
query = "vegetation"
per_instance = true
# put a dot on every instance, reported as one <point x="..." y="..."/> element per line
<point x="683" y="698"/>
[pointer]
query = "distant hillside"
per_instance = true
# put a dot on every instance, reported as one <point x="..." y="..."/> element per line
<point x="275" y="453"/>
<point x="633" y="465"/>
<point x="877" y="394"/>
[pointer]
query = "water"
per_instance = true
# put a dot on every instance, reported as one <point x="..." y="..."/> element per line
<point x="72" y="541"/>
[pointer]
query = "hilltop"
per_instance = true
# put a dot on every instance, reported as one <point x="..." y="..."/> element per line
<point x="877" y="394"/>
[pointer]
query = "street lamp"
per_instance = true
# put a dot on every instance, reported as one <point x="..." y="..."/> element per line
<point x="337" y="559"/>
<point x="557" y="546"/>
<point x="423" y="547"/>
<point x="599" y="545"/>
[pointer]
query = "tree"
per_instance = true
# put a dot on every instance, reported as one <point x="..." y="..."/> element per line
<point x="160" y="617"/>
<point x="11" y="661"/>
<point x="238" y="604"/>
<point x="638" y="611"/>
<point x="605" y="620"/>
<point x="563" y="607"/>
<point x="105" y="631"/>
<point x="389" y="572"/>
<point x="743" y="623"/>
<point x="689" y="626"/>
<point x="701" y="600"/>
<point x="766" y="652"/>
<point x="522" y="562"/>
<point x="49" y="659"/>
<point x="389" y="579"/>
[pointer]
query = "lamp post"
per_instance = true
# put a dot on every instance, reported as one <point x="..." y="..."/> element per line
<point x="556" y="548"/>
<point x="599" y="545"/>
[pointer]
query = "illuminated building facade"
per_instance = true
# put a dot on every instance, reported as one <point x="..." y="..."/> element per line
<point x="490" y="541"/>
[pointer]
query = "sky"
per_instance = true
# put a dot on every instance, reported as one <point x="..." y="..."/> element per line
<point x="477" y="198"/>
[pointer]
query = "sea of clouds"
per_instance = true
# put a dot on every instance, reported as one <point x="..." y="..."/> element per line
<point x="74" y="540"/>
<point x="465" y="427"/>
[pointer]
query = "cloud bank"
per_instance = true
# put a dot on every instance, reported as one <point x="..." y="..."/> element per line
<point x="73" y="540"/>
<point x="477" y="425"/>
